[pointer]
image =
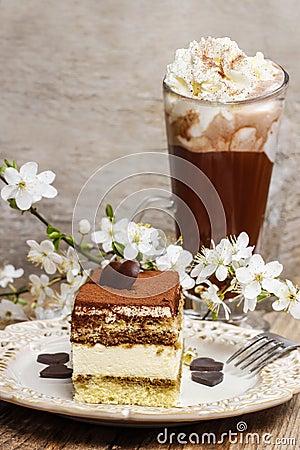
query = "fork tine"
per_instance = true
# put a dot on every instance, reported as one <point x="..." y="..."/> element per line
<point x="256" y="338"/>
<point x="247" y="357"/>
<point x="275" y="347"/>
<point x="268" y="359"/>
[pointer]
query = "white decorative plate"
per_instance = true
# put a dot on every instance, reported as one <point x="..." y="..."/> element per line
<point x="237" y="394"/>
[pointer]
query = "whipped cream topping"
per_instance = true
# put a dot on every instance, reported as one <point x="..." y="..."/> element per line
<point x="216" y="69"/>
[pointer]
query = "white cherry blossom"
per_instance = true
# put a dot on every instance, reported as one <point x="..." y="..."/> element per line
<point x="78" y="281"/>
<point x="140" y="239"/>
<point x="288" y="298"/>
<point x="45" y="255"/>
<point x="257" y="276"/>
<point x="27" y="186"/>
<point x="65" y="299"/>
<point x="40" y="287"/>
<point x="214" y="261"/>
<point x="240" y="247"/>
<point x="213" y="301"/>
<point x="110" y="232"/>
<point x="8" y="273"/>
<point x="10" y="310"/>
<point x="71" y="264"/>
<point x="178" y="259"/>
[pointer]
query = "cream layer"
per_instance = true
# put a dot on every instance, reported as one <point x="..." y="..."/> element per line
<point x="139" y="360"/>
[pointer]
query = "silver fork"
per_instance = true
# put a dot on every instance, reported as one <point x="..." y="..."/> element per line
<point x="268" y="346"/>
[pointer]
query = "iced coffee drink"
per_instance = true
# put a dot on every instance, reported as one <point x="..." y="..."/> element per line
<point x="223" y="110"/>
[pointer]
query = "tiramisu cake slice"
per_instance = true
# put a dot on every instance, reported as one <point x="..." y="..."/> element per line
<point x="127" y="342"/>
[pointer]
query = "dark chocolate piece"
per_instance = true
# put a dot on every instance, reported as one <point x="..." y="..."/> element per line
<point x="53" y="358"/>
<point x="130" y="268"/>
<point x="56" y="371"/>
<point x="206" y="365"/>
<point x="120" y="276"/>
<point x="208" y="378"/>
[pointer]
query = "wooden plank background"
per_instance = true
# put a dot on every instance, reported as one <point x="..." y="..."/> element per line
<point x="81" y="86"/>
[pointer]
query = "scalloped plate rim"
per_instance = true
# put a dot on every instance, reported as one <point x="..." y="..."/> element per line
<point x="133" y="415"/>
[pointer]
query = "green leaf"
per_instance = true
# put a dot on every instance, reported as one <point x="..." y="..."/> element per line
<point x="51" y="229"/>
<point x="13" y="164"/>
<point x="118" y="249"/>
<point x="109" y="212"/>
<point x="149" y="265"/>
<point x="8" y="163"/>
<point x="54" y="235"/>
<point x="262" y="297"/>
<point x="13" y="204"/>
<point x="22" y="302"/>
<point x="2" y="169"/>
<point x="56" y="243"/>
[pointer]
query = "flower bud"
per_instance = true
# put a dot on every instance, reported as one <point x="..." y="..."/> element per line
<point x="84" y="226"/>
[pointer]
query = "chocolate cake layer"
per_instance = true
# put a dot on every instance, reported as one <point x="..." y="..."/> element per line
<point x="109" y="328"/>
<point x="148" y="313"/>
<point x="108" y="337"/>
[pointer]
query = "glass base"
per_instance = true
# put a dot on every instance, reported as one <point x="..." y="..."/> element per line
<point x="196" y="309"/>
<point x="251" y="321"/>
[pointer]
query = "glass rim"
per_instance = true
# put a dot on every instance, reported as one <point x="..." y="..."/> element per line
<point x="282" y="88"/>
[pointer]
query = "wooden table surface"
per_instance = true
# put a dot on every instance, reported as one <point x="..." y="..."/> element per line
<point x="22" y="428"/>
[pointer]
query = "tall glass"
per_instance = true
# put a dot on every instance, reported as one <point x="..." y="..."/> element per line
<point x="234" y="145"/>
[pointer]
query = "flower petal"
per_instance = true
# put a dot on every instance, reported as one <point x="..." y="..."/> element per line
<point x="99" y="237"/>
<point x="46" y="246"/>
<point x="12" y="176"/>
<point x="252" y="290"/>
<point x="29" y="170"/>
<point x="145" y="247"/>
<point x="47" y="176"/>
<point x="50" y="192"/>
<point x="23" y="200"/>
<point x="221" y="273"/>
<point x="273" y="269"/>
<point x="242" y="240"/>
<point x="280" y="304"/>
<point x="185" y="258"/>
<point x="49" y="266"/>
<point x="249" y="304"/>
<point x="274" y="286"/>
<point x="208" y="270"/>
<point x="186" y="281"/>
<point x="33" y="244"/>
<point x="121" y="225"/>
<point x="294" y="309"/>
<point x="243" y="275"/>
<point x="9" y="191"/>
<point x="107" y="246"/>
<point x="121" y="237"/>
<point x="163" y="263"/>
<point x="106" y="225"/>
<point x="18" y="273"/>
<point x="130" y="251"/>
<point x="257" y="263"/>
<point x="197" y="269"/>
